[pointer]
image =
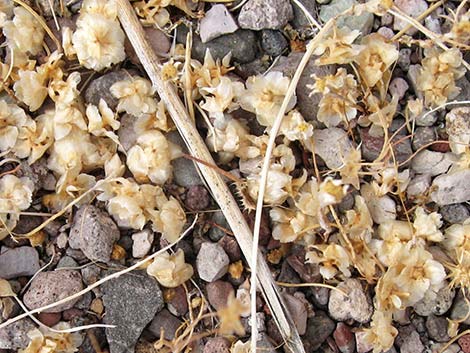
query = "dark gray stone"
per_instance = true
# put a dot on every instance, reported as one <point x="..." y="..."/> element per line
<point x="242" y="43"/>
<point x="460" y="309"/>
<point x="94" y="232"/>
<point x="131" y="302"/>
<point x="307" y="105"/>
<point x="99" y="88"/>
<point x="456" y="213"/>
<point x="423" y="135"/>
<point x="273" y="42"/>
<point x="215" y="233"/>
<point x="319" y="328"/>
<point x="437" y="328"/>
<point x="408" y="340"/>
<point x="22" y="261"/>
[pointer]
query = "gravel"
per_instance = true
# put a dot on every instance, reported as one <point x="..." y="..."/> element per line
<point x="21" y="261"/>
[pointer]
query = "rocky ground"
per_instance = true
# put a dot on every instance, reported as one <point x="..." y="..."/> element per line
<point x="425" y="169"/>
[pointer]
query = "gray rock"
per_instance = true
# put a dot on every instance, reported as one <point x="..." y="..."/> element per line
<point x="166" y="321"/>
<point x="453" y="348"/>
<point x="185" y="173"/>
<point x="362" y="23"/>
<point x="298" y="312"/>
<point x="273" y="42"/>
<point x="362" y="345"/>
<point x="158" y="40"/>
<point x="15" y="335"/>
<point x="404" y="54"/>
<point x="357" y="305"/>
<point x="460" y="309"/>
<point x="435" y="303"/>
<point x="260" y="323"/>
<point x="99" y="88"/>
<point x="216" y="22"/>
<point x="67" y="262"/>
<point x="21" y="261"/>
<point x="52" y="286"/>
<point x="387" y="33"/>
<point x="437" y="328"/>
<point x="382" y="209"/>
<point x="131" y="302"/>
<point x="332" y="145"/>
<point x="253" y="68"/>
<point x="408" y="340"/>
<point x="412" y="75"/>
<point x="212" y="262"/>
<point x="418" y="186"/>
<point x="39" y="174"/>
<point x="242" y="43"/>
<point x="216" y="233"/>
<point x="425" y="119"/>
<point x="423" y="136"/>
<point x="264" y="344"/>
<point x="398" y="86"/>
<point x="142" y="243"/>
<point x="456" y="213"/>
<point x="126" y="133"/>
<point x="262" y="14"/>
<point x="307" y="105"/>
<point x="319" y="328"/>
<point x="94" y="232"/>
<point x="457" y="123"/>
<point x="432" y="163"/>
<point x="452" y="188"/>
<point x="300" y="21"/>
<point x="412" y="8"/>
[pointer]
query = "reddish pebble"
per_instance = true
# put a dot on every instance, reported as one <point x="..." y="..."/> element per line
<point x="344" y="338"/>
<point x="440" y="147"/>
<point x="217" y="345"/>
<point x="72" y="313"/>
<point x="178" y="303"/>
<point x="197" y="198"/>
<point x="49" y="319"/>
<point x="218" y="293"/>
<point x="231" y="247"/>
<point x="464" y="343"/>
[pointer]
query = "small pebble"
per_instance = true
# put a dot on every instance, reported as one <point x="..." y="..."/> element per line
<point x="216" y="22"/>
<point x="259" y="14"/>
<point x="212" y="262"/>
<point x="21" y="261"/>
<point x="423" y="136"/>
<point x="217" y="345"/>
<point x="218" y="293"/>
<point x="437" y="328"/>
<point x="197" y="198"/>
<point x="344" y="338"/>
<point x="357" y="305"/>
<point x="455" y="213"/>
<point x="166" y="321"/>
<point x="273" y="42"/>
<point x="49" y="319"/>
<point x="142" y="243"/>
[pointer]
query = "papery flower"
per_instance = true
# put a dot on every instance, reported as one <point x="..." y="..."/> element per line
<point x="394" y="236"/>
<point x="35" y="138"/>
<point x="351" y="168"/>
<point x="150" y="158"/>
<point x="15" y="196"/>
<point x="98" y="41"/>
<point x="290" y="225"/>
<point x="136" y="96"/>
<point x="228" y="139"/>
<point x="376" y="58"/>
<point x="105" y="8"/>
<point x="240" y="347"/>
<point x="427" y="225"/>
<point x="24" y="33"/>
<point x="437" y="75"/>
<point x="331" y="258"/>
<point x="229" y="316"/>
<point x="47" y="341"/>
<point x="460" y="30"/>
<point x="102" y="121"/>
<point x="419" y="273"/>
<point x="211" y="72"/>
<point x="381" y="333"/>
<point x="170" y="270"/>
<point x="458" y="129"/>
<point x="381" y="114"/>
<point x="295" y="128"/>
<point x="338" y="47"/>
<point x="132" y="206"/>
<point x="339" y="97"/>
<point x="157" y="120"/>
<point x="73" y="189"/>
<point x="31" y="89"/>
<point x="457" y="236"/>
<point x="221" y="98"/>
<point x="264" y="96"/>
<point x="12" y="120"/>
<point x="153" y="12"/>
<point x="278" y="185"/>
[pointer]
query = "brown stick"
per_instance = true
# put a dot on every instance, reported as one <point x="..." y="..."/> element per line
<point x="219" y="189"/>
